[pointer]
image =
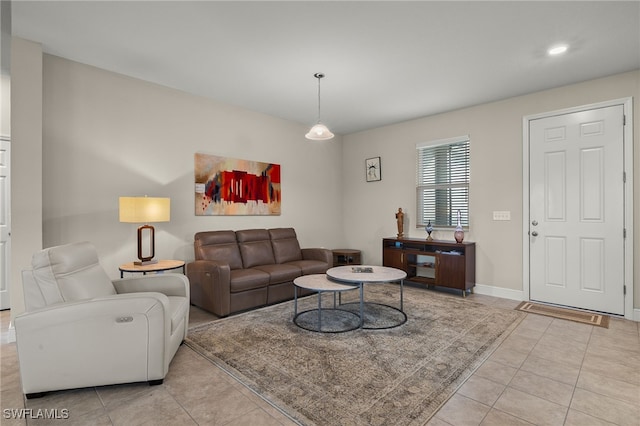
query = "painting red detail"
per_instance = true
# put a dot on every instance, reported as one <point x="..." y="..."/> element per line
<point x="228" y="186"/>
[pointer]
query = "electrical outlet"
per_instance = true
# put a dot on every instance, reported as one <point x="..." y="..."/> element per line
<point x="502" y="215"/>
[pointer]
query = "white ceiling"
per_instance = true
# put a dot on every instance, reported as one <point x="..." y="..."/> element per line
<point x="385" y="62"/>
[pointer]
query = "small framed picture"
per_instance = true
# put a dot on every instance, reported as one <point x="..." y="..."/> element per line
<point x="373" y="171"/>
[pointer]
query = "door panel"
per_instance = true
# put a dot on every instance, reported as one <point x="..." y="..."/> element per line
<point x="393" y="258"/>
<point x="555" y="185"/>
<point x="592" y="185"/>
<point x="556" y="261"/>
<point x="450" y="271"/>
<point x="592" y="264"/>
<point x="577" y="209"/>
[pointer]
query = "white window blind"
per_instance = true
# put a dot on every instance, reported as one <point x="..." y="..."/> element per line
<point x="443" y="182"/>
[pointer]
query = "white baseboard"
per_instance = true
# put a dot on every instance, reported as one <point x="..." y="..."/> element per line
<point x="507" y="293"/>
<point x="504" y="293"/>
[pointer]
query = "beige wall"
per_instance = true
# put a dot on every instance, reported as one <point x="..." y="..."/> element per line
<point x="5" y="69"/>
<point x="26" y="161"/>
<point x="107" y="135"/>
<point x="496" y="176"/>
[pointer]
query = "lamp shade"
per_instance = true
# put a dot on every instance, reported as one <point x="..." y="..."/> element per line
<point x="319" y="132"/>
<point x="145" y="209"/>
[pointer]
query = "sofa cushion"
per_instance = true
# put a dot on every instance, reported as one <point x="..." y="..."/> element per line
<point x="310" y="266"/>
<point x="255" y="247"/>
<point x="249" y="235"/>
<point x="248" y="279"/>
<point x="285" y="245"/>
<point x="218" y="245"/>
<point x="280" y="273"/>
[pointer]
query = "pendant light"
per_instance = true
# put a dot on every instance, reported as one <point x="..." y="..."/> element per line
<point x="319" y="132"/>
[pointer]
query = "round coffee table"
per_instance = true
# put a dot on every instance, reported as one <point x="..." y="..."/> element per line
<point x="320" y="284"/>
<point x="365" y="274"/>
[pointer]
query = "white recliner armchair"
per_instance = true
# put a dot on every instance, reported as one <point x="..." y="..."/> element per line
<point x="81" y="329"/>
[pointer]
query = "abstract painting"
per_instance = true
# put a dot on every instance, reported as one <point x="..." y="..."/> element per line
<point x="229" y="186"/>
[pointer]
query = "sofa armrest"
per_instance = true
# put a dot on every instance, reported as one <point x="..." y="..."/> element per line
<point x="90" y="342"/>
<point x="167" y="284"/>
<point x="321" y="254"/>
<point x="210" y="283"/>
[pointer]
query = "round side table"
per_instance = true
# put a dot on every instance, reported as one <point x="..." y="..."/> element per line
<point x="320" y="284"/>
<point x="161" y="265"/>
<point x="346" y="257"/>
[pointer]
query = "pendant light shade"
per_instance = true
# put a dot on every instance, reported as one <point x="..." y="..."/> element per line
<point x="319" y="132"/>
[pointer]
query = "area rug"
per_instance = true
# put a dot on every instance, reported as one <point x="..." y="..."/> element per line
<point x="583" y="317"/>
<point x="397" y="376"/>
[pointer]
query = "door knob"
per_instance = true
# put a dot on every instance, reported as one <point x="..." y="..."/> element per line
<point x="534" y="223"/>
<point x="534" y="233"/>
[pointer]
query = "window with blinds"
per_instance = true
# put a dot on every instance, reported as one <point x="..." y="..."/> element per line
<point x="442" y="186"/>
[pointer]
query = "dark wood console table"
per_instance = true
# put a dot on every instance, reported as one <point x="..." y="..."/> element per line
<point x="433" y="263"/>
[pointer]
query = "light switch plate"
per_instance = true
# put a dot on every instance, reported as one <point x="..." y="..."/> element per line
<point x="502" y="215"/>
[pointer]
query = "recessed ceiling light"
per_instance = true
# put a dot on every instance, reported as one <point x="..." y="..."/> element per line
<point x="557" y="50"/>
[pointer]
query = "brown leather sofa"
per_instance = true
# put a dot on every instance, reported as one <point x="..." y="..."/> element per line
<point x="238" y="270"/>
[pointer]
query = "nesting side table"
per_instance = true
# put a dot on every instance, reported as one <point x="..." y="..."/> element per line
<point x="162" y="265"/>
<point x="320" y="284"/>
<point x="346" y="257"/>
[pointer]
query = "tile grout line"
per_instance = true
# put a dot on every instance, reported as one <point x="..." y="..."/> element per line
<point x="575" y="386"/>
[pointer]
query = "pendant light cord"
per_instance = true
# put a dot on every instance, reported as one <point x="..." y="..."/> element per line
<point x="318" y="99"/>
<point x="318" y="76"/>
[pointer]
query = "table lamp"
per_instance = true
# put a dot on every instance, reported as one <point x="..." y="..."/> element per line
<point x="145" y="210"/>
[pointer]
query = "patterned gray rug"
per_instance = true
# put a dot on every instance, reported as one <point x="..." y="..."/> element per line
<point x="398" y="376"/>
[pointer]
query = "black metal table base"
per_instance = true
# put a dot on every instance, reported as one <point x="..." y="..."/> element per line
<point x="336" y="324"/>
<point x="370" y="315"/>
<point x="328" y="320"/>
<point x="378" y="316"/>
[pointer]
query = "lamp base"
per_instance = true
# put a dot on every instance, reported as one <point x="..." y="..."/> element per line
<point x="148" y="259"/>
<point x="145" y="262"/>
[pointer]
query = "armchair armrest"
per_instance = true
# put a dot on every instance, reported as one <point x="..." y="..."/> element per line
<point x="103" y="309"/>
<point x="321" y="254"/>
<point x="210" y="283"/>
<point x="114" y="339"/>
<point x="167" y="284"/>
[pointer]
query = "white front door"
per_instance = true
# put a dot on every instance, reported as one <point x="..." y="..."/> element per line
<point x="576" y="209"/>
<point x="5" y="222"/>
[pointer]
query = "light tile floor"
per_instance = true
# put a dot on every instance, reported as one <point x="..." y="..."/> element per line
<point x="547" y="372"/>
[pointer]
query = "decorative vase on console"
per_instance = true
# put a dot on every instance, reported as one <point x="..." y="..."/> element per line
<point x="429" y="230"/>
<point x="458" y="234"/>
